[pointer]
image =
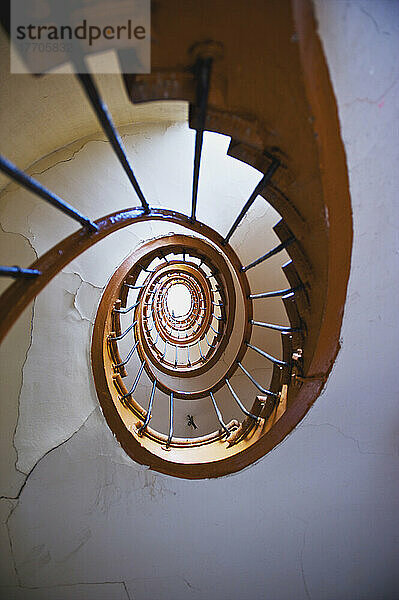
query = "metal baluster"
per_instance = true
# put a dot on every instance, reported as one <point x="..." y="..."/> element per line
<point x="129" y="356"/>
<point x="269" y="254"/>
<point x="124" y="311"/>
<point x="203" y="73"/>
<point x="218" y="414"/>
<point x="37" y="188"/>
<point x="170" y="420"/>
<point x="132" y="389"/>
<point x="207" y="341"/>
<point x="260" y="388"/>
<point x="199" y="346"/>
<point x="214" y="330"/>
<point x="148" y="416"/>
<point x="274" y="360"/>
<point x="217" y="318"/>
<point x="122" y="335"/>
<point x="240" y="404"/>
<point x="19" y="272"/>
<point x="281" y="328"/>
<point x="258" y="189"/>
<point x="276" y="293"/>
<point x="134" y="287"/>
<point x="105" y="119"/>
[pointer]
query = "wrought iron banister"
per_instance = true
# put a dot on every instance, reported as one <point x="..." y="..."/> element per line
<point x="18" y="272"/>
<point x="258" y="189"/>
<point x="269" y="254"/>
<point x="105" y="119"/>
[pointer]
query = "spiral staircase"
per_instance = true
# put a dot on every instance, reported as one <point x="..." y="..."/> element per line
<point x="180" y="312"/>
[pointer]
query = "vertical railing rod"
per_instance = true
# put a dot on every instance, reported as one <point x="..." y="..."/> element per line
<point x="269" y="254"/>
<point x="219" y="414"/>
<point x="276" y="293"/>
<point x="170" y="420"/>
<point x="207" y="341"/>
<point x="214" y="330"/>
<point x="133" y="287"/>
<point x="281" y="328"/>
<point x="124" y="311"/>
<point x="19" y="272"/>
<point x="105" y="119"/>
<point x="203" y="73"/>
<point x="272" y="359"/>
<point x="260" y="388"/>
<point x="148" y="416"/>
<point x="217" y="318"/>
<point x="129" y="356"/>
<point x="199" y="346"/>
<point x="240" y="404"/>
<point x="258" y="189"/>
<point x="132" y="389"/>
<point x="37" y="188"/>
<point x="122" y="335"/>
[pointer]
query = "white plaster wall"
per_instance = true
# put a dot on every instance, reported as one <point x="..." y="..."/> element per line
<point x="317" y="517"/>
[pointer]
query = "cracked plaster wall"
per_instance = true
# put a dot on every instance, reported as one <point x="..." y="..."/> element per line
<point x="317" y="517"/>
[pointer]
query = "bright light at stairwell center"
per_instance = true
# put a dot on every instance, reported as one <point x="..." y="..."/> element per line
<point x="52" y="36"/>
<point x="178" y="300"/>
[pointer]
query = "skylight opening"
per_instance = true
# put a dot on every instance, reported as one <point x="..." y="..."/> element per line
<point x="178" y="300"/>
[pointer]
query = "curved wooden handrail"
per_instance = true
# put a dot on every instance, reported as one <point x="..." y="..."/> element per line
<point x="18" y="295"/>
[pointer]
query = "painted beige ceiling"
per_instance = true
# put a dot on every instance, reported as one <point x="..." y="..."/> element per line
<point x="40" y="114"/>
